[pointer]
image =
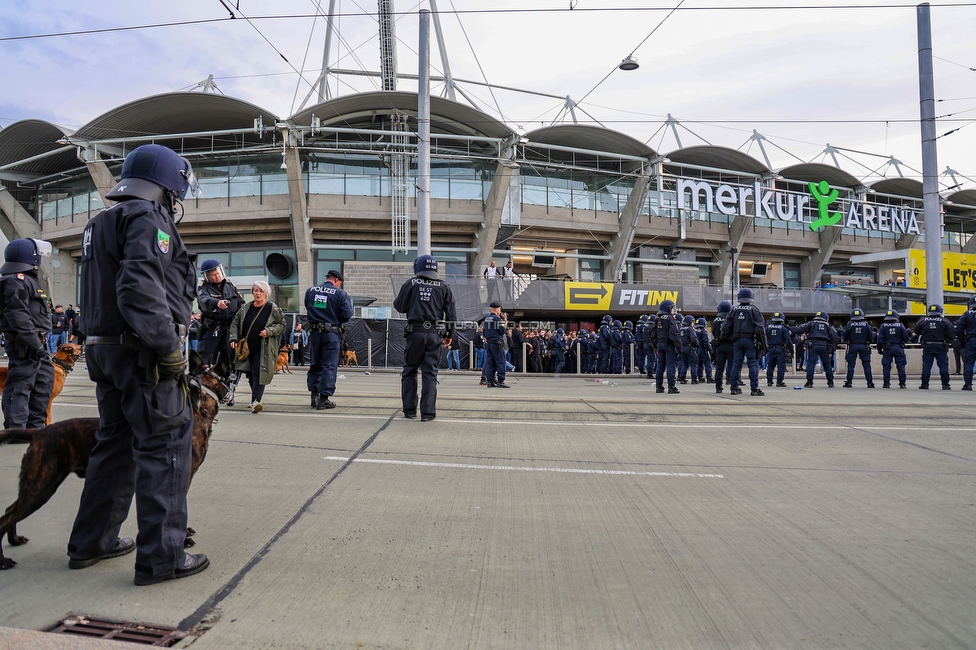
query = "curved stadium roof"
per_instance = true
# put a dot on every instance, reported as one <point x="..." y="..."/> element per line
<point x="28" y="138"/>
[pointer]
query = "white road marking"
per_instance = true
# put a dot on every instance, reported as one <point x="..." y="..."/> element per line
<point x="511" y="468"/>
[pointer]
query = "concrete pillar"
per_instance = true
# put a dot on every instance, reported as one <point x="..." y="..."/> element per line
<point x="739" y="230"/>
<point x="60" y="283"/>
<point x="494" y="206"/>
<point x="627" y="226"/>
<point x="104" y="181"/>
<point x="300" y="229"/>
<point x="811" y="267"/>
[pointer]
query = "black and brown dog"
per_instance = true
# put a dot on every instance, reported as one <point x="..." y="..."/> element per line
<point x="64" y="447"/>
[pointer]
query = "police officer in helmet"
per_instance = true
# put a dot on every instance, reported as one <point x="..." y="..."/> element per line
<point x="779" y="338"/>
<point x="219" y="302"/>
<point x="137" y="287"/>
<point x="966" y="332"/>
<point x="722" y="344"/>
<point x="428" y="304"/>
<point x="25" y="321"/>
<point x="892" y="337"/>
<point x="668" y="340"/>
<point x="823" y="341"/>
<point x="744" y="324"/>
<point x="859" y="337"/>
<point x="935" y="333"/>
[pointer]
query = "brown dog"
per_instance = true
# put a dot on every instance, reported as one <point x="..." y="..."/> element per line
<point x="64" y="447"/>
<point x="349" y="358"/>
<point x="64" y="362"/>
<point x="281" y="365"/>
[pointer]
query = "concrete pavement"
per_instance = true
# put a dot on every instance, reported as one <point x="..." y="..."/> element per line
<point x="561" y="513"/>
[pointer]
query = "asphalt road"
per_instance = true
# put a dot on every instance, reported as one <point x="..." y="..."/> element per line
<point x="562" y="513"/>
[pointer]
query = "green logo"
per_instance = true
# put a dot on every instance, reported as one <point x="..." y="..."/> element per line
<point x="825" y="196"/>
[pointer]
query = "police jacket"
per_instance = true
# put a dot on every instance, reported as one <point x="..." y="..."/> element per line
<point x="494" y="328"/>
<point x="819" y="332"/>
<point x="650" y="333"/>
<point x="742" y="323"/>
<point x="327" y="303"/>
<point x="616" y="337"/>
<point x="892" y="334"/>
<point x="427" y="301"/>
<point x="639" y="332"/>
<point x="605" y="335"/>
<point x="778" y="335"/>
<point x="718" y="326"/>
<point x="559" y="343"/>
<point x="667" y="331"/>
<point x="966" y="325"/>
<point x="136" y="276"/>
<point x="627" y="337"/>
<point x="688" y="336"/>
<point x="703" y="342"/>
<point x="209" y="294"/>
<point x="858" y="332"/>
<point x="23" y="312"/>
<point x="934" y="329"/>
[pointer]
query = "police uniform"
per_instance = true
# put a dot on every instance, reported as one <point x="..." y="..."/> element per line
<point x="137" y="287"/>
<point x="966" y="333"/>
<point x="428" y="304"/>
<point x="495" y="332"/>
<point x="668" y="345"/>
<point x="559" y="348"/>
<point x="704" y="352"/>
<point x="743" y="323"/>
<point x="640" y="344"/>
<point x="25" y="321"/>
<point x="215" y="322"/>
<point x="689" y="350"/>
<point x="628" y="345"/>
<point x="935" y="333"/>
<point x="605" y="336"/>
<point x="821" y="343"/>
<point x="892" y="337"/>
<point x="724" y="351"/>
<point x="859" y="337"/>
<point x="328" y="307"/>
<point x="778" y="337"/>
<point x="650" y="346"/>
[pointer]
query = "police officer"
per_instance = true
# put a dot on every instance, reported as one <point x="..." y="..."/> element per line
<point x="137" y="286"/>
<point x="219" y="302"/>
<point x="616" y="348"/>
<point x="704" y="352"/>
<point x="935" y="332"/>
<point x="892" y="337"/>
<point x="724" y="351"/>
<point x="25" y="321"/>
<point x="689" y="349"/>
<point x="328" y="307"/>
<point x="859" y="337"/>
<point x="640" y="344"/>
<point x="668" y="345"/>
<point x="628" y="345"/>
<point x="966" y="334"/>
<point x="606" y="336"/>
<point x="650" y="345"/>
<point x="779" y="337"/>
<point x="559" y="347"/>
<point x="496" y="331"/>
<point x="428" y="304"/>
<point x="744" y="323"/>
<point x="822" y="341"/>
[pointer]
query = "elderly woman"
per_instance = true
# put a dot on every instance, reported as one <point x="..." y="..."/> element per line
<point x="260" y="323"/>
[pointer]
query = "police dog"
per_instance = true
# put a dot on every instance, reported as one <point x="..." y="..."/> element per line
<point x="281" y="364"/>
<point x="65" y="447"/>
<point x="64" y="362"/>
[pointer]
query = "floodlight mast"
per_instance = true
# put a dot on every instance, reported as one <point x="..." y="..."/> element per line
<point x="930" y="165"/>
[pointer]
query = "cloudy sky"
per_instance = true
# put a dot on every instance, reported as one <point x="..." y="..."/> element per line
<point x="803" y="74"/>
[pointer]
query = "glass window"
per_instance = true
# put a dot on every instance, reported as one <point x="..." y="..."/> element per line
<point x="591" y="270"/>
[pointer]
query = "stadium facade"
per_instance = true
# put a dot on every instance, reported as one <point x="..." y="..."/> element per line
<point x="593" y="219"/>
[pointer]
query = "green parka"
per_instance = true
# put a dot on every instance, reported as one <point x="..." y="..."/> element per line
<point x="269" y="345"/>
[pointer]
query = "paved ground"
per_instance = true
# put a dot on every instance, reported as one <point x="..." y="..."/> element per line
<point x="563" y="513"/>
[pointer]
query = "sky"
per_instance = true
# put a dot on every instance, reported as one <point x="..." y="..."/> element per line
<point x="802" y="74"/>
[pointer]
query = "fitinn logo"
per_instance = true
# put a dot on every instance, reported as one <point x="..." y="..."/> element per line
<point x="816" y="208"/>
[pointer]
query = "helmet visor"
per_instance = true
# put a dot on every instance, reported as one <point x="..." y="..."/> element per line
<point x="44" y="248"/>
<point x="193" y="188"/>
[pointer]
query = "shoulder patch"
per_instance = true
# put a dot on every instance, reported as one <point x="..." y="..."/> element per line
<point x="20" y="276"/>
<point x="162" y="241"/>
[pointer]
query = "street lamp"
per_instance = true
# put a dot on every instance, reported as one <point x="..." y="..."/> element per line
<point x="628" y="64"/>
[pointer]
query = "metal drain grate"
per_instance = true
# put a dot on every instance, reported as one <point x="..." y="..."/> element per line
<point x="95" y="628"/>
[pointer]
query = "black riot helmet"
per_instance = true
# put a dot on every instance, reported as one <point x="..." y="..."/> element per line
<point x="24" y="255"/>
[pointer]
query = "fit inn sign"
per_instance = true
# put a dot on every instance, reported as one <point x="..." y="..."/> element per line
<point x="818" y="208"/>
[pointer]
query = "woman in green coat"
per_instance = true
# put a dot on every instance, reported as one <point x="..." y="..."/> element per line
<point x="261" y="323"/>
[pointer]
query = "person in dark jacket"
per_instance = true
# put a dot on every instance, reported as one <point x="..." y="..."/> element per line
<point x="892" y="337"/>
<point x="689" y="350"/>
<point x="821" y="343"/>
<point x="779" y="338"/>
<point x="745" y="322"/>
<point x="328" y="307"/>
<point x="704" y="352"/>
<point x="935" y="333"/>
<point x="859" y="337"/>
<point x="668" y="346"/>
<point x="137" y="289"/>
<point x="966" y="335"/>
<point x="219" y="302"/>
<point x="25" y="321"/>
<point x="724" y="351"/>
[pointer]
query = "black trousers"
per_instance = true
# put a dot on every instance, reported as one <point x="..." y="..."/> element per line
<point x="143" y="446"/>
<point x="423" y="356"/>
<point x="27" y="391"/>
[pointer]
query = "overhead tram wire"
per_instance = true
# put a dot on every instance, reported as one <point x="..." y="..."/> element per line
<point x="544" y="10"/>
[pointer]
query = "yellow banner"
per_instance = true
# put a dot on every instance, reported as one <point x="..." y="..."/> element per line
<point x="588" y="296"/>
<point x="958" y="274"/>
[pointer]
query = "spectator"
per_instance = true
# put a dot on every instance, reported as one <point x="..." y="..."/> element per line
<point x="261" y="323"/>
